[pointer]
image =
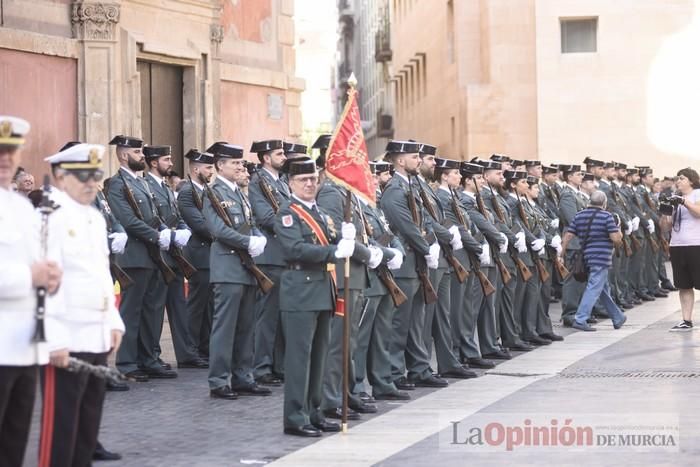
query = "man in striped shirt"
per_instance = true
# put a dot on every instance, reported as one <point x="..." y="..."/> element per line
<point x="598" y="233"/>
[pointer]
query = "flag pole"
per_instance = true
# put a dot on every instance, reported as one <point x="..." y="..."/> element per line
<point x="352" y="82"/>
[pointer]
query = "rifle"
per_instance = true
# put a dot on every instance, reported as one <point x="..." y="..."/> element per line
<point x="541" y="270"/>
<point x="559" y="266"/>
<point x="266" y="190"/>
<point x="387" y="277"/>
<point x="486" y="285"/>
<point x="522" y="267"/>
<point x="125" y="281"/>
<point x="152" y="248"/>
<point x="461" y="272"/>
<point x="175" y="251"/>
<point x="502" y="269"/>
<point x="429" y="294"/>
<point x="46" y="208"/>
<point x="263" y="281"/>
<point x="195" y="196"/>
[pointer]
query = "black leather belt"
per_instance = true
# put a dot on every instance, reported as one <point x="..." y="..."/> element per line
<point x="308" y="266"/>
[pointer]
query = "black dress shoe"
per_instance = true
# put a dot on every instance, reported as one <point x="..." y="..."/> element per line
<point x="404" y="384"/>
<point x="636" y="301"/>
<point x="592" y="320"/>
<point x="337" y="414"/>
<point x="139" y="376"/>
<point x="160" y="373"/>
<point x="478" y="362"/>
<point x="306" y="431"/>
<point x="660" y="294"/>
<point x="626" y="306"/>
<point x="553" y="300"/>
<point x="196" y="363"/>
<point x="101" y="454"/>
<point x="253" y="390"/>
<point x="670" y="287"/>
<point x="393" y="396"/>
<point x="459" y="373"/>
<point x="269" y="380"/>
<point x="327" y="427"/>
<point x="498" y="355"/>
<point x="430" y="382"/>
<point x="366" y="398"/>
<point x="567" y="322"/>
<point x="223" y="392"/>
<point x="363" y="408"/>
<point x="117" y="386"/>
<point x="552" y="337"/>
<point x="538" y="341"/>
<point x="521" y="347"/>
<point x="165" y="365"/>
<point x="645" y="297"/>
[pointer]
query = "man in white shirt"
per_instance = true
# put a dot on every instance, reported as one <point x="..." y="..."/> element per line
<point x="92" y="324"/>
<point x="22" y="272"/>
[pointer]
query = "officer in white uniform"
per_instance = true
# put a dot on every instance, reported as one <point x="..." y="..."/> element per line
<point x="91" y="321"/>
<point x="21" y="272"/>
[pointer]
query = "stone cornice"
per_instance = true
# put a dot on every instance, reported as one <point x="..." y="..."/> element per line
<point x="94" y="20"/>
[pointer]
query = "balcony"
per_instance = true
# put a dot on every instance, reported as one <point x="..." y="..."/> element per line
<point x="385" y="125"/>
<point x="382" y="46"/>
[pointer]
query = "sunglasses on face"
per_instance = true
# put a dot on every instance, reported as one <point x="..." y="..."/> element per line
<point x="85" y="175"/>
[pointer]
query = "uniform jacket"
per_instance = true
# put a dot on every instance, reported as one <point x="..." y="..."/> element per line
<point x="199" y="244"/>
<point x="225" y="264"/>
<point x="166" y="206"/>
<point x="465" y="231"/>
<point x="140" y="232"/>
<point x="265" y="215"/>
<point x="570" y="203"/>
<point x="378" y="227"/>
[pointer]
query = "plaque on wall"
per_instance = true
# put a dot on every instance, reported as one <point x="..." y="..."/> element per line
<point x="275" y="106"/>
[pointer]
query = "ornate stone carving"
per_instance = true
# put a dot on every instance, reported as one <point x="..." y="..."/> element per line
<point x="95" y="20"/>
<point x="216" y="33"/>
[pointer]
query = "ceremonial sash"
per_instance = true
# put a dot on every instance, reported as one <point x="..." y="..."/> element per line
<point x="323" y="240"/>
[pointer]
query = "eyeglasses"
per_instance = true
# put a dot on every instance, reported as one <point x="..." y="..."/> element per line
<point x="87" y="174"/>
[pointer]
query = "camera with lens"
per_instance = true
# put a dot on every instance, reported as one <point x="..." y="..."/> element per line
<point x="667" y="204"/>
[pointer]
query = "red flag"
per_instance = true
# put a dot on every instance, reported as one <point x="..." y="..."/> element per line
<point x="347" y="162"/>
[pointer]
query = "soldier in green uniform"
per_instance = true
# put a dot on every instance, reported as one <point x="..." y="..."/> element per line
<point x="139" y="306"/>
<point x="171" y="295"/>
<point x="411" y="226"/>
<point x="571" y="202"/>
<point x="331" y="198"/>
<point x="515" y="246"/>
<point x="650" y="275"/>
<point x="308" y="297"/>
<point x="479" y="331"/>
<point x="372" y="358"/>
<point x="190" y="201"/>
<point x="448" y="323"/>
<point x="267" y="193"/>
<point x="229" y="218"/>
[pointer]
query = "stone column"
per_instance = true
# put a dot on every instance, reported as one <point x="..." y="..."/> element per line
<point x="95" y="27"/>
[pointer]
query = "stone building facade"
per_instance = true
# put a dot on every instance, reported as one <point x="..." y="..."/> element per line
<point x="179" y="72"/>
<point x="557" y="80"/>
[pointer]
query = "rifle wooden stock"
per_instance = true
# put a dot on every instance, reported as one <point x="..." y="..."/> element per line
<point x="264" y="282"/>
<point x="541" y="270"/>
<point x="524" y="271"/>
<point x="486" y="286"/>
<point x="636" y="246"/>
<point x="387" y="277"/>
<point x="664" y="244"/>
<point x="195" y="196"/>
<point x="652" y="241"/>
<point x="152" y="248"/>
<point x="502" y="269"/>
<point x="429" y="295"/>
<point x="559" y="265"/>
<point x="267" y="192"/>
<point x="185" y="266"/>
<point x="125" y="281"/>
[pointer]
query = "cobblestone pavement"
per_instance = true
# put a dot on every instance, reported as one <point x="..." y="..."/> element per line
<point x="174" y="422"/>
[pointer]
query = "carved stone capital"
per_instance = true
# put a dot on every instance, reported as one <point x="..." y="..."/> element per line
<point x="95" y="20"/>
<point x="216" y="33"/>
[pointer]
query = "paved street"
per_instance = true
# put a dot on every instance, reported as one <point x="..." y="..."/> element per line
<point x="636" y="372"/>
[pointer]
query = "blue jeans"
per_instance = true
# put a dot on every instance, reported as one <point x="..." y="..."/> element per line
<point x="598" y="287"/>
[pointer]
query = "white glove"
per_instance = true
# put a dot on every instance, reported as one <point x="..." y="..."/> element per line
<point x="456" y="243"/>
<point x="650" y="226"/>
<point x="629" y="229"/>
<point x="558" y="248"/>
<point x="118" y="242"/>
<point x="348" y="231"/>
<point x="375" y="258"/>
<point x="433" y="257"/>
<point x="345" y="248"/>
<point x="554" y="223"/>
<point x="256" y="245"/>
<point x="556" y="241"/>
<point x="635" y="224"/>
<point x="164" y="239"/>
<point x="454" y="230"/>
<point x="182" y="236"/>
<point x="485" y="256"/>
<point x="503" y="248"/>
<point x="538" y="244"/>
<point x="520" y="244"/>
<point x="396" y="261"/>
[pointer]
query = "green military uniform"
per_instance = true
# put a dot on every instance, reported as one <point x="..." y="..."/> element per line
<point x="200" y="301"/>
